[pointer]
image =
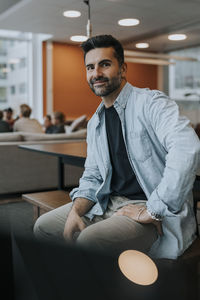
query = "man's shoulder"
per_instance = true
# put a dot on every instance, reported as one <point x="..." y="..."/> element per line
<point x="145" y="96"/>
<point x="4" y="124"/>
<point x="17" y="122"/>
<point x="92" y="121"/>
<point x="145" y="91"/>
<point x="34" y="121"/>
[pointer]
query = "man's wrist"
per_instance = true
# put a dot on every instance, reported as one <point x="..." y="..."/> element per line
<point x="154" y="216"/>
<point x="81" y="206"/>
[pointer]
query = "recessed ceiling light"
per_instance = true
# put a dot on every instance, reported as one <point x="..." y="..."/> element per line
<point x="78" y="38"/>
<point x="142" y="45"/>
<point x="177" y="37"/>
<point x="128" y="22"/>
<point x="71" y="13"/>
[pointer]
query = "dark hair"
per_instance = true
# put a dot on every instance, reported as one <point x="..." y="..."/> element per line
<point x="59" y="116"/>
<point x="1" y="115"/>
<point x="48" y="117"/>
<point x="104" y="41"/>
<point x="9" y="109"/>
<point x="25" y="110"/>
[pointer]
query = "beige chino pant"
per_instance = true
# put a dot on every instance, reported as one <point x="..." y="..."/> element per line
<point x="109" y="233"/>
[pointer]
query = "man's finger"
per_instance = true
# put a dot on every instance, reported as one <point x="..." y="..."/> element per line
<point x="82" y="226"/>
<point x="159" y="227"/>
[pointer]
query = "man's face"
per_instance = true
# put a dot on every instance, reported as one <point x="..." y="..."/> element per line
<point x="47" y="122"/>
<point x="104" y="74"/>
<point x="9" y="115"/>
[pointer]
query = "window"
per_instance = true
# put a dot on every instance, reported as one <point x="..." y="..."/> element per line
<point x="21" y="54"/>
<point x="22" y="62"/>
<point x="2" y="48"/>
<point x="3" y="95"/>
<point x="22" y="88"/>
<point x="15" y="68"/>
<point x="184" y="76"/>
<point x="3" y="71"/>
<point x="12" y="67"/>
<point x="12" y="90"/>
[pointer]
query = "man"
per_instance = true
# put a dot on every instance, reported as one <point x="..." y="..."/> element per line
<point x="142" y="157"/>
<point x="24" y="123"/>
<point x="58" y="124"/>
<point x="4" y="126"/>
<point x="48" y="125"/>
<point x="8" y="117"/>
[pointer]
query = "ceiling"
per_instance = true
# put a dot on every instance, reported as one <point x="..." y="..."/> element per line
<point x="157" y="18"/>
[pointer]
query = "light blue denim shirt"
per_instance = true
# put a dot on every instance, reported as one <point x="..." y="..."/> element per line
<point x="164" y="152"/>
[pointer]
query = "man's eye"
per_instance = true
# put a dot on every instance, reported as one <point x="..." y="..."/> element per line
<point x="89" y="68"/>
<point x="105" y="64"/>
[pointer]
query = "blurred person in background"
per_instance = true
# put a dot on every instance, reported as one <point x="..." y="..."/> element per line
<point x="24" y="123"/>
<point x="8" y="117"/>
<point x="4" y="126"/>
<point x="58" y="123"/>
<point x="48" y="125"/>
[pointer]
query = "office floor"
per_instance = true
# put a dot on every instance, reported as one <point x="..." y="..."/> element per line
<point x="16" y="214"/>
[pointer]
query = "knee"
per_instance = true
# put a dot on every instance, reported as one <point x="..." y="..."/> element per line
<point x="90" y="238"/>
<point x="45" y="229"/>
<point x="39" y="228"/>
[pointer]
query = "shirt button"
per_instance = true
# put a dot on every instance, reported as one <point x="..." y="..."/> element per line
<point x="96" y="210"/>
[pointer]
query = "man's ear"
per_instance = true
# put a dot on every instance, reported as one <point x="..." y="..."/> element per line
<point x="124" y="69"/>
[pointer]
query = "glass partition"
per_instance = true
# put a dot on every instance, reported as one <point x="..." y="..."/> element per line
<point x="15" y="66"/>
<point x="184" y="76"/>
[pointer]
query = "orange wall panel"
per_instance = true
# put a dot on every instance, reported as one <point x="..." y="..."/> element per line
<point x="142" y="76"/>
<point x="71" y="93"/>
<point x="44" y="68"/>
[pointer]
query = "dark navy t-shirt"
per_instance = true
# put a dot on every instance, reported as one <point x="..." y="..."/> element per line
<point x="124" y="181"/>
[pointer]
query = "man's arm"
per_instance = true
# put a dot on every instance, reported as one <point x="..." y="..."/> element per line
<point x="91" y="179"/>
<point x="74" y="222"/>
<point x="182" y="160"/>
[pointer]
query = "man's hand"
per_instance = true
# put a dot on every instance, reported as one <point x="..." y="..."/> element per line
<point x="139" y="213"/>
<point x="73" y="224"/>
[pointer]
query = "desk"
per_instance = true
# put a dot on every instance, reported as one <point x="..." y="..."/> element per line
<point x="68" y="153"/>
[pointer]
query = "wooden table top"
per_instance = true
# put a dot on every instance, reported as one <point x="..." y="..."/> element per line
<point x="66" y="150"/>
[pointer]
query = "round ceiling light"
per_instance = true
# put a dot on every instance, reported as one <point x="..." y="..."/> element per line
<point x="71" y="13"/>
<point x="78" y="38"/>
<point x="138" y="267"/>
<point x="177" y="37"/>
<point x="128" y="22"/>
<point x="142" y="45"/>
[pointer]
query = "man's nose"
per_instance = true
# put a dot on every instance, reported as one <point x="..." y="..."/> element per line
<point x="97" y="72"/>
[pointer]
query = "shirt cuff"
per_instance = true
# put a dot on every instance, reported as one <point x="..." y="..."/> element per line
<point x="154" y="216"/>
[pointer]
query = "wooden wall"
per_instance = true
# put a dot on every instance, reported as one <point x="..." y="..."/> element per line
<point x="71" y="93"/>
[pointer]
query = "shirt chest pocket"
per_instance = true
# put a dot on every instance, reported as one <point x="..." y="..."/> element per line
<point x="140" y="145"/>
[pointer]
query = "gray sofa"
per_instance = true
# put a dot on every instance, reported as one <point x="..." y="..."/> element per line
<point x="26" y="171"/>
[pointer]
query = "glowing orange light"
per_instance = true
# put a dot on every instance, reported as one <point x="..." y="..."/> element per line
<point x="138" y="267"/>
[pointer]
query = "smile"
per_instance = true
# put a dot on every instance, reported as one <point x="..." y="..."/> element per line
<point x="99" y="83"/>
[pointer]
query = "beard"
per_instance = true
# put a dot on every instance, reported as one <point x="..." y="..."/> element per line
<point x="106" y="89"/>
